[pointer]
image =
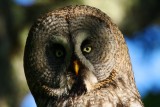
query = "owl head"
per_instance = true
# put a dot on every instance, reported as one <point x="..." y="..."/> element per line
<point x="74" y="50"/>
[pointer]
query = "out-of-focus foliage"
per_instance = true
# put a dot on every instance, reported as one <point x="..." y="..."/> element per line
<point x="142" y="13"/>
<point x="16" y="18"/>
<point x="152" y="100"/>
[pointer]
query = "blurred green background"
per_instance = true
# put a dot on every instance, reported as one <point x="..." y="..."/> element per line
<point x="17" y="16"/>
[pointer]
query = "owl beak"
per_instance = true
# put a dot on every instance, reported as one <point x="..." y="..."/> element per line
<point x="76" y="66"/>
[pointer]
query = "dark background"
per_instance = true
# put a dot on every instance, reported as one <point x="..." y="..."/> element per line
<point x="139" y="21"/>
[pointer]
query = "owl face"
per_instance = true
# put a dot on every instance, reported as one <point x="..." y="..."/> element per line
<point x="76" y="57"/>
<point x="69" y="51"/>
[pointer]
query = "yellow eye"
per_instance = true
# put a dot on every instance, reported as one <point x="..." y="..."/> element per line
<point x="87" y="49"/>
<point x="59" y="53"/>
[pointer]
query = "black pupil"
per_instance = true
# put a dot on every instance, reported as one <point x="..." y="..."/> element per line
<point x="59" y="53"/>
<point x="87" y="48"/>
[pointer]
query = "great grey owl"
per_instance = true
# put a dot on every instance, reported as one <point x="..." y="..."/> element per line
<point x="76" y="57"/>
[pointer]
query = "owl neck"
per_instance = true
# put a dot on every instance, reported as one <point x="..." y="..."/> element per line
<point x="106" y="81"/>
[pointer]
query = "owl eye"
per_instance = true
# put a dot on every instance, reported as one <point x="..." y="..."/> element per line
<point x="59" y="53"/>
<point x="87" y="49"/>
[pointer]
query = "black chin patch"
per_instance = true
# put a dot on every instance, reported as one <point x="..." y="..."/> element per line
<point x="78" y="87"/>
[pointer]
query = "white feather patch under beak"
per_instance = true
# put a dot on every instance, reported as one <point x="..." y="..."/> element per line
<point x="90" y="81"/>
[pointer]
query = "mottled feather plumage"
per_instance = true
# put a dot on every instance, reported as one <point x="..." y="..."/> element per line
<point x="86" y="35"/>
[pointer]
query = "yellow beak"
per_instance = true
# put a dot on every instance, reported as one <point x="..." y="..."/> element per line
<point x="76" y="66"/>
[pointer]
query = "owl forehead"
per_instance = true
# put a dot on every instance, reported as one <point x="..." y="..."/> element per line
<point x="68" y="20"/>
<point x="75" y="29"/>
<point x="55" y="24"/>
